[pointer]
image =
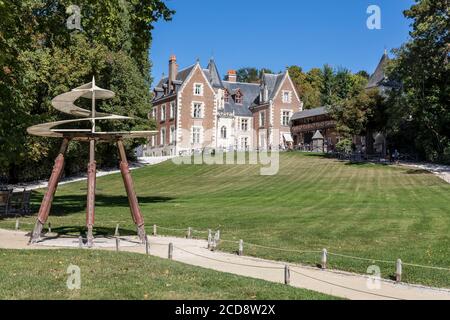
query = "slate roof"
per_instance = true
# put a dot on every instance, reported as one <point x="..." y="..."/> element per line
<point x="179" y="80"/>
<point x="273" y="82"/>
<point x="379" y="79"/>
<point x="250" y="92"/>
<point x="317" y="136"/>
<point x="212" y="73"/>
<point x="310" y="113"/>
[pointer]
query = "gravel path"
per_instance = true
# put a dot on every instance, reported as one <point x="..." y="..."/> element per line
<point x="442" y="171"/>
<point x="195" y="252"/>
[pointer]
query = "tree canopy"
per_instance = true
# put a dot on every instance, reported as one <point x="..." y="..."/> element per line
<point x="41" y="58"/>
<point x="421" y="106"/>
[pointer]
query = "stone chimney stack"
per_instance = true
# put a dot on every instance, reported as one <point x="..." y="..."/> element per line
<point x="231" y="76"/>
<point x="173" y="71"/>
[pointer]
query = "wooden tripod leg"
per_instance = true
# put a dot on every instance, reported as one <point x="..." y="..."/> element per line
<point x="91" y="183"/>
<point x="46" y="204"/>
<point x="132" y="198"/>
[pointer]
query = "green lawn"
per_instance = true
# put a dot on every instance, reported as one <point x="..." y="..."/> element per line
<point x="371" y="211"/>
<point x="33" y="274"/>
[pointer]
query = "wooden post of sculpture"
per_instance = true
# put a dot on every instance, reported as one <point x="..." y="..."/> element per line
<point x="65" y="103"/>
<point x="132" y="198"/>
<point x="46" y="204"/>
<point x="91" y="183"/>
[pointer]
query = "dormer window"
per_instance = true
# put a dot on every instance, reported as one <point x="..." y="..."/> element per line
<point x="238" y="97"/>
<point x="226" y="96"/>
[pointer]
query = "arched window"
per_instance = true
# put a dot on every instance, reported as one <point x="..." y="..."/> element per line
<point x="223" y="132"/>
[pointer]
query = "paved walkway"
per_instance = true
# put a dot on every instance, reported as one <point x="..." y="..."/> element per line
<point x="195" y="252"/>
<point x="442" y="171"/>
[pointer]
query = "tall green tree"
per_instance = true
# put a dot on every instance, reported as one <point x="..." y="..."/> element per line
<point x="42" y="58"/>
<point x="251" y="74"/>
<point x="422" y="67"/>
<point x="308" y="85"/>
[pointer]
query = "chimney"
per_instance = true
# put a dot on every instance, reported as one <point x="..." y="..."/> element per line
<point x="231" y="76"/>
<point x="173" y="71"/>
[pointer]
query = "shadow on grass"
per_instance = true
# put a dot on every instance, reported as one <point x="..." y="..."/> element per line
<point x="98" y="231"/>
<point x="315" y="154"/>
<point x="68" y="204"/>
<point x="417" y="171"/>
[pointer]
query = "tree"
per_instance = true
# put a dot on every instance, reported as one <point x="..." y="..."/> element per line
<point x="250" y="74"/>
<point x="308" y="85"/>
<point x="422" y="67"/>
<point x="41" y="58"/>
<point x="328" y="85"/>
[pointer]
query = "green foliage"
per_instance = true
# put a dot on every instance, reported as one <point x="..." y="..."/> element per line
<point x="250" y="74"/>
<point x="359" y="112"/>
<point x="345" y="146"/>
<point x="362" y="204"/>
<point x="421" y="105"/>
<point x="308" y="85"/>
<point x="41" y="58"/>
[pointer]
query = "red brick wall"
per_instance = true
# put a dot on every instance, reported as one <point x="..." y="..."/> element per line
<point x="186" y="98"/>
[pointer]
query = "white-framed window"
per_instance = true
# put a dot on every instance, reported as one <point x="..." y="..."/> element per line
<point x="196" y="135"/>
<point x="154" y="110"/>
<point x="285" y="117"/>
<point x="163" y="137"/>
<point x="172" y="110"/>
<point x="163" y="113"/>
<point x="262" y="119"/>
<point x="198" y="89"/>
<point x="173" y="136"/>
<point x="223" y="132"/>
<point x="244" y="143"/>
<point x="287" y="96"/>
<point x="262" y="140"/>
<point x="244" y="124"/>
<point x="197" y="110"/>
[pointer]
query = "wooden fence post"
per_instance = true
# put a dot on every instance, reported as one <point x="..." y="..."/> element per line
<point x="170" y="251"/>
<point x="49" y="227"/>
<point x="17" y="224"/>
<point x="189" y="233"/>
<point x="116" y="233"/>
<point x="154" y="230"/>
<point x="241" y="247"/>
<point x="147" y="246"/>
<point x="287" y="275"/>
<point x="209" y="239"/>
<point x="117" y="243"/>
<point x="218" y="235"/>
<point x="214" y="244"/>
<point x="324" y="259"/>
<point x="80" y="241"/>
<point x="398" y="272"/>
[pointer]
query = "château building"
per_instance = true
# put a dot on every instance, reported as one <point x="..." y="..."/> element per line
<point x="196" y="110"/>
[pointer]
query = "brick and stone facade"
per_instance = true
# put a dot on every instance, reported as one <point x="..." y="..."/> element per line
<point x="195" y="110"/>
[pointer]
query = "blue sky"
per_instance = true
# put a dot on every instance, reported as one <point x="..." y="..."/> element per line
<point x="276" y="34"/>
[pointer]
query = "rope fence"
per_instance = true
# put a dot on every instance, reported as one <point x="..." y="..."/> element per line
<point x="287" y="269"/>
<point x="213" y="242"/>
<point x="214" y="239"/>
